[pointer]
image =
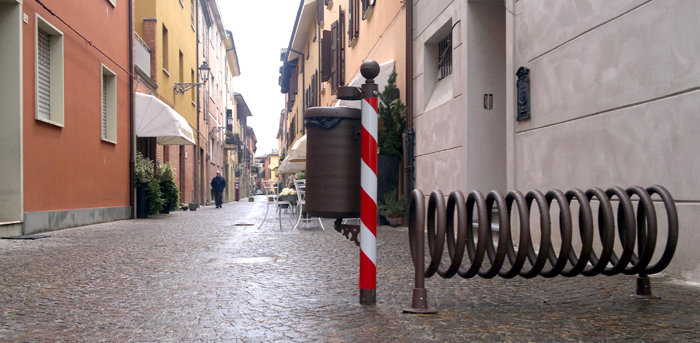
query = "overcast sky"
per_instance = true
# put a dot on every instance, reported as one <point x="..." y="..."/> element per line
<point x="260" y="29"/>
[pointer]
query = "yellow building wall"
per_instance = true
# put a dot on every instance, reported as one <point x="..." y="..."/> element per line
<point x="182" y="37"/>
<point x="382" y="38"/>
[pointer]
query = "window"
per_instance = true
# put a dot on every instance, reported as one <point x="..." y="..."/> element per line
<point x="193" y="80"/>
<point x="109" y="105"/>
<point x="445" y="57"/>
<point x="192" y="12"/>
<point x="320" y="12"/>
<point x="181" y="61"/>
<point x="165" y="50"/>
<point x="353" y="22"/>
<point x="49" y="73"/>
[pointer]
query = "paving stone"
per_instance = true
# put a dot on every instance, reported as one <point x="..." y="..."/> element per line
<point x="196" y="277"/>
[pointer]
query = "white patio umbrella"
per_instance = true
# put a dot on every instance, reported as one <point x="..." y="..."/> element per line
<point x="298" y="152"/>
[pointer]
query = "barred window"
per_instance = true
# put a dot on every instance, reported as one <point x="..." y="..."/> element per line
<point x="445" y="57"/>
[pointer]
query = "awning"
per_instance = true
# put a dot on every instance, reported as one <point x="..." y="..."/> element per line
<point x="298" y="152"/>
<point x="305" y="18"/>
<point x="289" y="167"/>
<point x="381" y="80"/>
<point x="154" y="118"/>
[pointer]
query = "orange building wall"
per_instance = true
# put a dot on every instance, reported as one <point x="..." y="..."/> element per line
<point x="71" y="167"/>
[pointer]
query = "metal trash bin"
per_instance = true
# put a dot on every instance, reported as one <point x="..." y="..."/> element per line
<point x="333" y="159"/>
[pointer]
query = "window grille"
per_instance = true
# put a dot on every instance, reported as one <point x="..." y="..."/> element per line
<point x="445" y="57"/>
<point x="44" y="74"/>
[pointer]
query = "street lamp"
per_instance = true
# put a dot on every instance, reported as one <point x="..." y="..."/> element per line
<point x="182" y="87"/>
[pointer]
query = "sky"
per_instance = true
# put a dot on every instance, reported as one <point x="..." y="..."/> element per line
<point x="260" y="30"/>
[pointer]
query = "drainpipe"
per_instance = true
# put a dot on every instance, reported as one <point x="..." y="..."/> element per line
<point x="197" y="157"/>
<point x="132" y="136"/>
<point x="409" y="155"/>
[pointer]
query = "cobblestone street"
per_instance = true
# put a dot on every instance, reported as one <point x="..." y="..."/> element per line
<point x="214" y="276"/>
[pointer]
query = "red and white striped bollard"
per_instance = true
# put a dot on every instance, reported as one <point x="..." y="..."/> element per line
<point x="368" y="181"/>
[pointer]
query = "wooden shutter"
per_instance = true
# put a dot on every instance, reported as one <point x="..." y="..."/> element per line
<point x="294" y="80"/>
<point x="351" y="20"/>
<point x="44" y="75"/>
<point x="321" y="9"/>
<point x="341" y="47"/>
<point x="326" y="59"/>
<point x="335" y="33"/>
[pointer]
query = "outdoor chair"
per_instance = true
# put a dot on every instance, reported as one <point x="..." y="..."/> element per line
<point x="301" y="201"/>
<point x="270" y="187"/>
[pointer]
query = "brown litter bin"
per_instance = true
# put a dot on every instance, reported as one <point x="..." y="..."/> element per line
<point x="333" y="162"/>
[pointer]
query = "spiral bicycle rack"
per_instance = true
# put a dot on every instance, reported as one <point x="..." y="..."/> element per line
<point x="441" y="228"/>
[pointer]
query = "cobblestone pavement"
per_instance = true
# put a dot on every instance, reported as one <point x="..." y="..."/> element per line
<point x="207" y="276"/>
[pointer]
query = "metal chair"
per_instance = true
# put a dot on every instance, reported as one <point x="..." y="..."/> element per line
<point x="270" y="187"/>
<point x="301" y="201"/>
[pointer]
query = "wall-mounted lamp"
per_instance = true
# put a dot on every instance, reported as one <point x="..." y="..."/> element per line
<point x="204" y="71"/>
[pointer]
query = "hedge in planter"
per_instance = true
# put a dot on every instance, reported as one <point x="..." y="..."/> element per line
<point x="169" y="191"/>
<point x="154" y="197"/>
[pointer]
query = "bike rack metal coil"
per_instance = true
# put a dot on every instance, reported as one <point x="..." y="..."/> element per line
<point x="640" y="228"/>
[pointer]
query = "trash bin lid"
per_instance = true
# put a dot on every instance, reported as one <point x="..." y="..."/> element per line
<point x="333" y="112"/>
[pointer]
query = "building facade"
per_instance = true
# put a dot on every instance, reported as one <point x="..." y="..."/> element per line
<point x="612" y="96"/>
<point x="65" y="119"/>
<point x="329" y="42"/>
<point x="214" y="44"/>
<point x="167" y="31"/>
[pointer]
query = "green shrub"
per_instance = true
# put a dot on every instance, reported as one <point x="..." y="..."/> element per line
<point x="168" y="188"/>
<point x="154" y="196"/>
<point x="143" y="169"/>
<point x="393" y="206"/>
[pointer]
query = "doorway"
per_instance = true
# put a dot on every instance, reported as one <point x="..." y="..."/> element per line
<point x="486" y="77"/>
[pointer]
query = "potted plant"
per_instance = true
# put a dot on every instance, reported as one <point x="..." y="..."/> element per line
<point x="193" y="206"/>
<point x="143" y="174"/>
<point x="184" y="207"/>
<point x="170" y="193"/>
<point x="154" y="197"/>
<point x="393" y="208"/>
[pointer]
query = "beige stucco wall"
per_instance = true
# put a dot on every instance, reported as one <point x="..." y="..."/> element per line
<point x="614" y="101"/>
<point x="614" y="94"/>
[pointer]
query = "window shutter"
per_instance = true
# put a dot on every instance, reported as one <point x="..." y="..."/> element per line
<point x="335" y="34"/>
<point x="294" y="81"/>
<point x="44" y="75"/>
<point x="104" y="106"/>
<point x="351" y="20"/>
<point x="326" y="59"/>
<point x="321" y="8"/>
<point x="341" y="48"/>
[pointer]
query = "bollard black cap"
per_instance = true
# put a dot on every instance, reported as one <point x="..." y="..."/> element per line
<point x="369" y="69"/>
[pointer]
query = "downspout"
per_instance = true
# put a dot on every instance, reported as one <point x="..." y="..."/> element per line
<point x="197" y="157"/>
<point x="303" y="82"/>
<point x="132" y="135"/>
<point x="410" y="139"/>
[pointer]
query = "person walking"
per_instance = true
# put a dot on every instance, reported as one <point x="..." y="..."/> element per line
<point x="218" y="183"/>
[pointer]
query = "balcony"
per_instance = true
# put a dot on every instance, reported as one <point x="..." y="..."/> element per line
<point x="232" y="142"/>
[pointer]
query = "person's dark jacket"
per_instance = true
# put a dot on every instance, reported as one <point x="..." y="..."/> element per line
<point x="218" y="183"/>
